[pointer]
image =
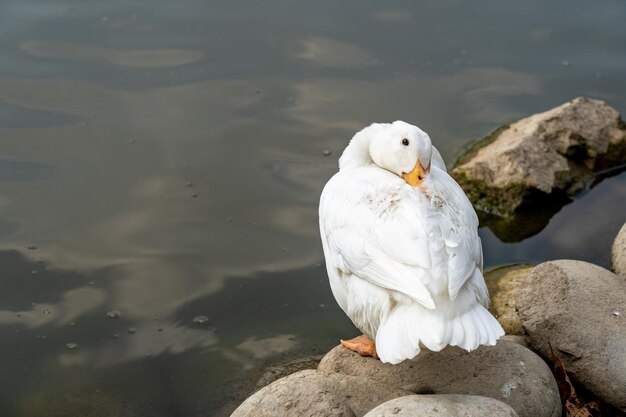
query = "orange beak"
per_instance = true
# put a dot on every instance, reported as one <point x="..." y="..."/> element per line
<point x="416" y="176"/>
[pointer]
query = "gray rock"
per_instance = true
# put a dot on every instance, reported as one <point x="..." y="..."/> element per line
<point x="283" y="369"/>
<point x="520" y="340"/>
<point x="507" y="372"/>
<point x="543" y="153"/>
<point x="619" y="252"/>
<point x="312" y="393"/>
<point x="579" y="308"/>
<point x="442" y="405"/>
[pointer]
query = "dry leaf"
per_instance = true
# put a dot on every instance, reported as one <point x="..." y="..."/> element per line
<point x="571" y="403"/>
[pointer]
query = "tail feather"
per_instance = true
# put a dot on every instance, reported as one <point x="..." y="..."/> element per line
<point x="483" y="331"/>
<point x="471" y="338"/>
<point x="480" y="327"/>
<point x="458" y="333"/>
<point x="406" y="326"/>
<point x="397" y="338"/>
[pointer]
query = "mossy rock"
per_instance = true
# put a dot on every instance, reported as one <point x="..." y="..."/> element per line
<point x="555" y="153"/>
<point x="504" y="284"/>
<point x="501" y="202"/>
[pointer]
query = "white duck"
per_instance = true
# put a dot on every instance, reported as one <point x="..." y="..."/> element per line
<point x="402" y="248"/>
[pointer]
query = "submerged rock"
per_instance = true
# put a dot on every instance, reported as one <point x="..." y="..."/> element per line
<point x="549" y="154"/>
<point x="579" y="309"/>
<point x="313" y="393"/>
<point x="618" y="257"/>
<point x="504" y="283"/>
<point x="442" y="405"/>
<point x="507" y="372"/>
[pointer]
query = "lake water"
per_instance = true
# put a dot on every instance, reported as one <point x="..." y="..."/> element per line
<point x="161" y="164"/>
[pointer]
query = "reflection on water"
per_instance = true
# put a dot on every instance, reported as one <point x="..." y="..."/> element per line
<point x="327" y="52"/>
<point x="164" y="160"/>
<point x="527" y="220"/>
<point x="130" y="364"/>
<point x="535" y="213"/>
<point x="147" y="58"/>
<point x="583" y="230"/>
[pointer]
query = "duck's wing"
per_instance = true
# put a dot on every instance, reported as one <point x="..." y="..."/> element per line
<point x="458" y="225"/>
<point x="374" y="231"/>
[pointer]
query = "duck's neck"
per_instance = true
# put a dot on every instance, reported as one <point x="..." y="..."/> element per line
<point x="356" y="154"/>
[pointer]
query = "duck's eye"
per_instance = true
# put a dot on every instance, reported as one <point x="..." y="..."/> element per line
<point x="405" y="142"/>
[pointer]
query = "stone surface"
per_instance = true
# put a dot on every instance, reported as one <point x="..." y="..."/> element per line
<point x="272" y="373"/>
<point x="580" y="309"/>
<point x="442" y="405"/>
<point x="504" y="284"/>
<point x="507" y="372"/>
<point x="542" y="154"/>
<point x="520" y="340"/>
<point x="618" y="257"/>
<point x="313" y="393"/>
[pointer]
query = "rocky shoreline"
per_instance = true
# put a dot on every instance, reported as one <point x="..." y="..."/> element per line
<point x="573" y="306"/>
<point x="564" y="314"/>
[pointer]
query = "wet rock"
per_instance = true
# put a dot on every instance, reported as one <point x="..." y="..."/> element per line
<point x="442" y="405"/>
<point x="572" y="305"/>
<point x="504" y="284"/>
<point x="619" y="252"/>
<point x="546" y="154"/>
<point x="507" y="372"/>
<point x="313" y="393"/>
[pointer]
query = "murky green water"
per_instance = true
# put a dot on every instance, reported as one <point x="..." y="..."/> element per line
<point x="164" y="160"/>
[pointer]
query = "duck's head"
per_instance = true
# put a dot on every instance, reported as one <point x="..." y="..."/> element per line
<point x="398" y="147"/>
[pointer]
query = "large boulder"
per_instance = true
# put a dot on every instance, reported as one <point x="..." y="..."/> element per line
<point x="313" y="393"/>
<point x="619" y="252"/>
<point x="442" y="405"/>
<point x="549" y="153"/>
<point x="507" y="372"/>
<point x="579" y="309"/>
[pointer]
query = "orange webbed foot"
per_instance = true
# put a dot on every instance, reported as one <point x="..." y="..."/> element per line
<point x="361" y="345"/>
